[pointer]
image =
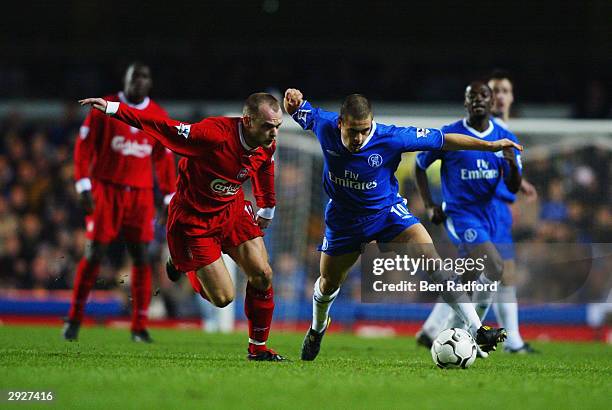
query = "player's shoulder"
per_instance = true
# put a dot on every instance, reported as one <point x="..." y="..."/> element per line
<point x="456" y="126"/>
<point x="327" y="118"/>
<point x="500" y="122"/>
<point x="155" y="107"/>
<point x="228" y="123"/>
<point x="504" y="132"/>
<point x="383" y="129"/>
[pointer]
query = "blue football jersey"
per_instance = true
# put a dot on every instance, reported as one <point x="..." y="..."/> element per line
<point x="363" y="182"/>
<point x="470" y="177"/>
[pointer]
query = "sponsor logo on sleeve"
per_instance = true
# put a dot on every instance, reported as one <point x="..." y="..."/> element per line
<point x="302" y="115"/>
<point x="422" y="132"/>
<point x="243" y="173"/>
<point x="183" y="129"/>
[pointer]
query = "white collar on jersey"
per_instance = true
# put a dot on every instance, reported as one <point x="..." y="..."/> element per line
<point x="144" y="104"/>
<point x="242" y="140"/>
<point x="366" y="140"/>
<point x="479" y="134"/>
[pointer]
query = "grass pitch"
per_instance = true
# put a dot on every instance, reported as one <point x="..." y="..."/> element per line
<point x="189" y="369"/>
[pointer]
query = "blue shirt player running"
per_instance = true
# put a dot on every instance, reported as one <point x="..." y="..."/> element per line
<point x="471" y="181"/>
<point x="360" y="159"/>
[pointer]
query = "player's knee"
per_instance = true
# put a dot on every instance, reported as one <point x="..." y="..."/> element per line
<point x="328" y="285"/>
<point x="223" y="299"/>
<point x="262" y="277"/>
<point x="494" y="267"/>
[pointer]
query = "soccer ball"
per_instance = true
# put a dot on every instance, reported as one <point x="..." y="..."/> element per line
<point x="453" y="348"/>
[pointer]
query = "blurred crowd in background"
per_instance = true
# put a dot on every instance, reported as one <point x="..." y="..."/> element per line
<point x="42" y="232"/>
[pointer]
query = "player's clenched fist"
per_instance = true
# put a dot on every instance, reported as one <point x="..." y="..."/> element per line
<point x="98" y="103"/>
<point x="436" y="214"/>
<point x="263" y="223"/>
<point x="293" y="100"/>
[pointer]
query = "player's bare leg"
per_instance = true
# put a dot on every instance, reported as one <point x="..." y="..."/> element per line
<point x="252" y="257"/>
<point x="216" y="284"/>
<point x="326" y="288"/>
<point x="87" y="272"/>
<point x="421" y="243"/>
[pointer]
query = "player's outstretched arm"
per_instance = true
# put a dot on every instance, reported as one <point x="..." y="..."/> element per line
<point x="292" y="101"/>
<point x="434" y="211"/>
<point x="512" y="174"/>
<point x="456" y="142"/>
<point x="184" y="139"/>
<point x="265" y="196"/>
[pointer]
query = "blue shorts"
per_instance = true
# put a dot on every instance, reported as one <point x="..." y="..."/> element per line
<point x="470" y="225"/>
<point x="503" y="230"/>
<point x="345" y="233"/>
<point x="473" y="225"/>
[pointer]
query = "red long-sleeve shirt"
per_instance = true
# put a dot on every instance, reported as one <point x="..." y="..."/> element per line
<point x="111" y="151"/>
<point x="216" y="160"/>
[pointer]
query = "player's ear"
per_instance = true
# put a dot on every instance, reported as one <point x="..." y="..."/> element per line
<point x="246" y="120"/>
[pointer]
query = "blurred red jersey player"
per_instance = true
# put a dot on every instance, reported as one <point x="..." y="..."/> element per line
<point x="114" y="177"/>
<point x="209" y="213"/>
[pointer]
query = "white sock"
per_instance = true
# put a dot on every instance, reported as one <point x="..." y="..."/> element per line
<point x="454" y="320"/>
<point x="506" y="311"/>
<point x="436" y="321"/>
<point x="458" y="301"/>
<point x="468" y="315"/>
<point x="320" y="307"/>
<point x="482" y="302"/>
<point x="483" y="299"/>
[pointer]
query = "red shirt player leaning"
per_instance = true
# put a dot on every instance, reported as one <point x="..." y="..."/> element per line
<point x="209" y="214"/>
<point x="114" y="178"/>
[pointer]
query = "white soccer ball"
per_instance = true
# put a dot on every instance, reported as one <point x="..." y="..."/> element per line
<point x="453" y="348"/>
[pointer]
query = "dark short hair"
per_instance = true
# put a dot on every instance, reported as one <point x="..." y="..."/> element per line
<point x="500" y="74"/>
<point x="356" y="106"/>
<point x="256" y="100"/>
<point x="133" y="66"/>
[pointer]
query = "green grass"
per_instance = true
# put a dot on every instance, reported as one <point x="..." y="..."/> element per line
<point x="189" y="369"/>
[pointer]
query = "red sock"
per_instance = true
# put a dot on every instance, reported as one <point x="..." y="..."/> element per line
<point x="258" y="308"/>
<point x="141" y="296"/>
<point x="195" y="284"/>
<point x="85" y="279"/>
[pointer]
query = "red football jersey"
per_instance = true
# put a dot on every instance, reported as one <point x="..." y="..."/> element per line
<point x="112" y="151"/>
<point x="217" y="160"/>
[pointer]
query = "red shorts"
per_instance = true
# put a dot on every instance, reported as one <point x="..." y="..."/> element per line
<point x="120" y="209"/>
<point x="196" y="240"/>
